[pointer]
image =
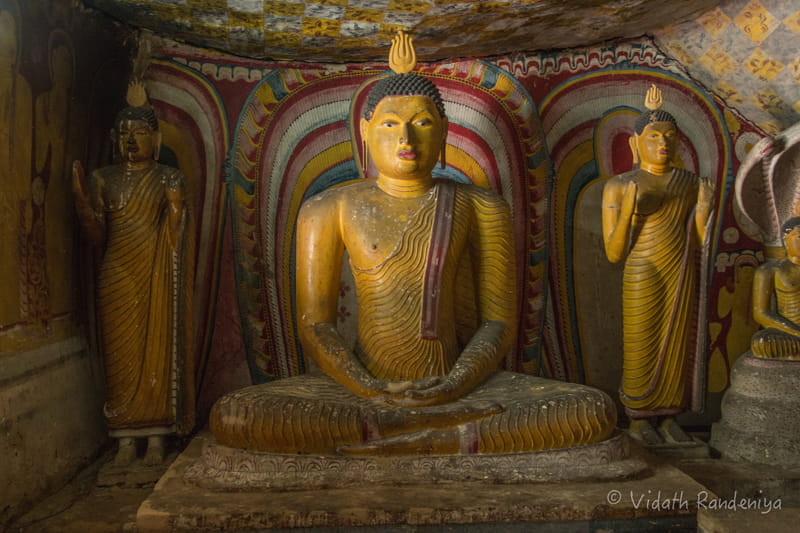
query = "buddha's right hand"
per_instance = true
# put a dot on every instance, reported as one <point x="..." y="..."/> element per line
<point x="400" y="387"/>
<point x="628" y="206"/>
<point x="79" y="186"/>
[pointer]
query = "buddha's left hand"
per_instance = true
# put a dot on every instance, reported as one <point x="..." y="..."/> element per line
<point x="705" y="195"/>
<point x="444" y="390"/>
<point x="402" y="387"/>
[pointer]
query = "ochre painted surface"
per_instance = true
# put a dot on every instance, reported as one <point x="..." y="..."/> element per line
<point x="49" y="63"/>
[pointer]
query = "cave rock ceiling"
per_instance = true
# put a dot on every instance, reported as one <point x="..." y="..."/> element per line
<point x="359" y="30"/>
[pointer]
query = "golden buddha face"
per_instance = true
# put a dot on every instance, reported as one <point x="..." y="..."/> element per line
<point x="657" y="144"/>
<point x="791" y="241"/>
<point x="405" y="136"/>
<point x="137" y="141"/>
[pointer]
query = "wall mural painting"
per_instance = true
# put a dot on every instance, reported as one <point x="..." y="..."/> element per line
<point x="293" y="140"/>
<point x="45" y="97"/>
<point x="15" y="118"/>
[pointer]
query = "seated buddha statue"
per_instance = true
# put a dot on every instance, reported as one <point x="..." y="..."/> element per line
<point x="423" y="376"/>
<point x="656" y="219"/>
<point x="779" y="282"/>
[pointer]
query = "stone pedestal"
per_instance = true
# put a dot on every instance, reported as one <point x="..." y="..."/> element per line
<point x="760" y="421"/>
<point x="230" y="469"/>
<point x="652" y="497"/>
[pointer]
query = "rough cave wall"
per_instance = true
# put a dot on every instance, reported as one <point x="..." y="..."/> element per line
<point x="61" y="73"/>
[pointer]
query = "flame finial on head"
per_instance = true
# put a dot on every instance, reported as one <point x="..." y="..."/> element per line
<point x="137" y="95"/>
<point x="402" y="57"/>
<point x="653" y="99"/>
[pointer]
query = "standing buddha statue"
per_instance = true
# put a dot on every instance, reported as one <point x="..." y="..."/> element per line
<point x="136" y="213"/>
<point x="656" y="219"/>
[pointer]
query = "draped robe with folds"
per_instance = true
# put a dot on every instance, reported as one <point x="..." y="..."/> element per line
<point x="144" y="307"/>
<point x="663" y="359"/>
<point x="399" y="340"/>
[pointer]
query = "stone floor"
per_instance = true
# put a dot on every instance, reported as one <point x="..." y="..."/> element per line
<point x="85" y="507"/>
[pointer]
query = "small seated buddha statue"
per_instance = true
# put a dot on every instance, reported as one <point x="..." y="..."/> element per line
<point x="656" y="220"/>
<point x="779" y="282"/>
<point x="423" y="377"/>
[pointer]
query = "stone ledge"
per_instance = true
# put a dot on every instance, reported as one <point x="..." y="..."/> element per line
<point x="660" y="495"/>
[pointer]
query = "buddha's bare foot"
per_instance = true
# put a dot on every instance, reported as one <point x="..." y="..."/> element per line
<point x="641" y="430"/>
<point x="672" y="432"/>
<point x="404" y="421"/>
<point x="155" y="450"/>
<point x="126" y="451"/>
<point x="424" y="442"/>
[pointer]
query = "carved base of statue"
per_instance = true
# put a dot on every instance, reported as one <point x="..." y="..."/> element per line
<point x="216" y="488"/>
<point x="222" y="468"/>
<point x="759" y="420"/>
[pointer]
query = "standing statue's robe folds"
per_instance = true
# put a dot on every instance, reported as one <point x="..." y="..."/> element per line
<point x="414" y="321"/>
<point x="144" y="304"/>
<point x="662" y="368"/>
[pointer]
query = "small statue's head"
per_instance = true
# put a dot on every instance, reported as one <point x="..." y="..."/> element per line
<point x="136" y="128"/>
<point x="404" y="125"/>
<point x="790" y="230"/>
<point x="656" y="139"/>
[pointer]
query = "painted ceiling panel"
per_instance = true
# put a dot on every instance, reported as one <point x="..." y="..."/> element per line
<point x="745" y="51"/>
<point x="360" y="30"/>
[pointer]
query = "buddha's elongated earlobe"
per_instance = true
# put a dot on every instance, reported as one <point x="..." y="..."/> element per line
<point x="443" y="156"/>
<point x="634" y="149"/>
<point x="364" y="156"/>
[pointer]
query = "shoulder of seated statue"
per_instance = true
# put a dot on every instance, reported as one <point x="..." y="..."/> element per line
<point x="771" y="268"/>
<point x="480" y="193"/>
<point x="341" y="192"/>
<point x="323" y="201"/>
<point x="625" y="177"/>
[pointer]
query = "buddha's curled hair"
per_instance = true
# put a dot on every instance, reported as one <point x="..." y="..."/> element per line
<point x="648" y="117"/>
<point x="409" y="84"/>
<point x="143" y="113"/>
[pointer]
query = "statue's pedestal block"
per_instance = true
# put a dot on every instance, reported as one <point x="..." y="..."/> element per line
<point x="759" y="413"/>
<point x="224" y="468"/>
<point x="644" y="491"/>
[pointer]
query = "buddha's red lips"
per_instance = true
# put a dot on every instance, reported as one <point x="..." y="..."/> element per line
<point x="406" y="154"/>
